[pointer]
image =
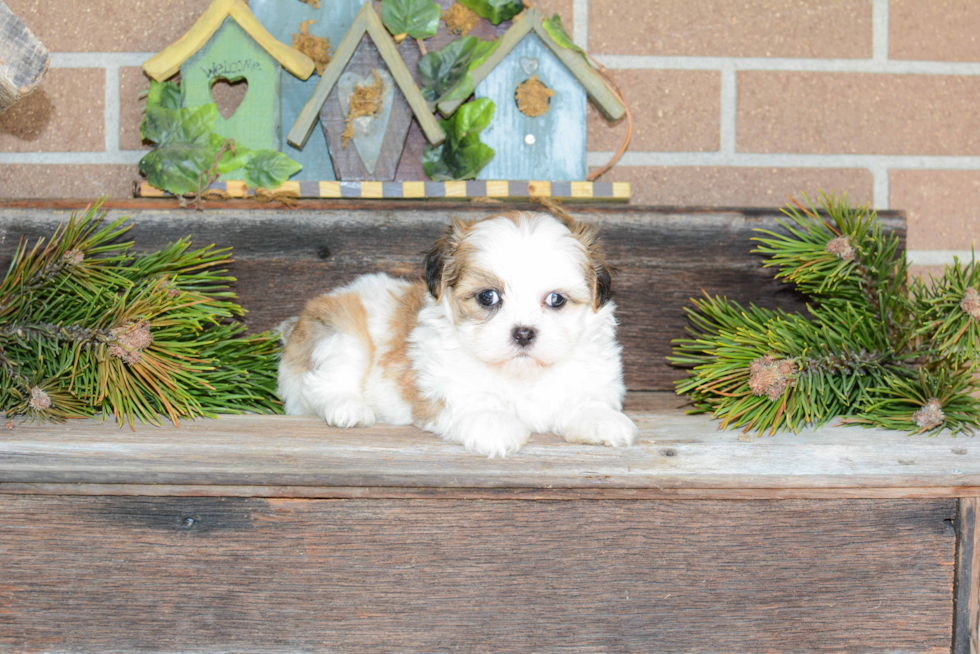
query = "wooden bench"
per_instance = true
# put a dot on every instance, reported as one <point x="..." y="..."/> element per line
<point x="278" y="534"/>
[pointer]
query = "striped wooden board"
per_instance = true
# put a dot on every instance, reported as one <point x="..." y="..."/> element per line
<point x="499" y="189"/>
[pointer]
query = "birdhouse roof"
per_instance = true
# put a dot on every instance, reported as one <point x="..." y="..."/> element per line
<point x="365" y="21"/>
<point x="531" y="21"/>
<point x="167" y="62"/>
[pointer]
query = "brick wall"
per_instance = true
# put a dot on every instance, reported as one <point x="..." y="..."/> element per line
<point x="736" y="104"/>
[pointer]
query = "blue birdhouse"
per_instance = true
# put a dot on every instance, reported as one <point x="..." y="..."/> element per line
<point x="546" y="141"/>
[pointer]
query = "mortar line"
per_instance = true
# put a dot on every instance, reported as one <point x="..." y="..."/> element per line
<point x="727" y="143"/>
<point x="890" y="66"/>
<point x="780" y="160"/>
<point x="879" y="30"/>
<point x="112" y="103"/>
<point x="936" y="257"/>
<point x="580" y="23"/>
<point x="98" y="59"/>
<point x="881" y="190"/>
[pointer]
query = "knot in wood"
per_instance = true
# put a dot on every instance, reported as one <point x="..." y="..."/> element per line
<point x="533" y="97"/>
<point x="770" y="376"/>
<point x="971" y="303"/>
<point x="39" y="399"/>
<point x="840" y="247"/>
<point x="131" y="340"/>
<point x="929" y="416"/>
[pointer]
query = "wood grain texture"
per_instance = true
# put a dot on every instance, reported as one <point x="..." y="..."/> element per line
<point x="966" y="617"/>
<point x="675" y="452"/>
<point x="204" y="574"/>
<point x="23" y="59"/>
<point x="558" y="149"/>
<point x="347" y="164"/>
<point x="283" y="258"/>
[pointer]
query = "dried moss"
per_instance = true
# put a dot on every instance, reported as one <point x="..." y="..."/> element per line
<point x="459" y="19"/>
<point x="315" y="47"/>
<point x="313" y="3"/>
<point x="533" y="97"/>
<point x="364" y="101"/>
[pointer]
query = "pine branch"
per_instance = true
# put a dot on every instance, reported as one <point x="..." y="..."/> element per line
<point x="873" y="349"/>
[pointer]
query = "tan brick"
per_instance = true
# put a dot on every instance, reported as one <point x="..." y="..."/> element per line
<point x="943" y="207"/>
<point x="65" y="114"/>
<point x="132" y="82"/>
<point x="834" y="113"/>
<point x="751" y="28"/>
<point x="738" y="187"/>
<point x="673" y="111"/>
<point x="561" y="7"/>
<point x="934" y="30"/>
<point x="87" y="182"/>
<point x="108" y="25"/>
<point x="924" y="272"/>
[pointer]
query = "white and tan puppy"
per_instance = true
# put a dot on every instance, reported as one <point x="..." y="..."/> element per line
<point x="512" y="334"/>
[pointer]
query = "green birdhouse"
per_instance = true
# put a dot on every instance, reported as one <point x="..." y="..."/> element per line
<point x="229" y="45"/>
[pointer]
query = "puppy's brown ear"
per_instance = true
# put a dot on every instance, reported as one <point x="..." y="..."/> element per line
<point x="602" y="288"/>
<point x="441" y="267"/>
<point x="598" y="271"/>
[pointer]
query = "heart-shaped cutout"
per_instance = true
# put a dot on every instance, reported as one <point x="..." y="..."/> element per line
<point x="228" y="95"/>
<point x="369" y="131"/>
<point x="528" y="65"/>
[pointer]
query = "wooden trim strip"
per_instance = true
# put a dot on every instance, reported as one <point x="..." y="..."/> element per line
<point x="966" y="594"/>
<point x="167" y="62"/>
<point x="366" y="21"/>
<point x="497" y="189"/>
<point x="969" y="494"/>
<point x="307" y="119"/>
<point x="602" y="97"/>
<point x="520" y="28"/>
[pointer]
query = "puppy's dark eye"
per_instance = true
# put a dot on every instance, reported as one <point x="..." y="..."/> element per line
<point x="488" y="298"/>
<point x="555" y="300"/>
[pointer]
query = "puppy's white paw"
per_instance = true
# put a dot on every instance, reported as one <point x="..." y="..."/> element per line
<point x="493" y="434"/>
<point x="601" y="426"/>
<point x="348" y="412"/>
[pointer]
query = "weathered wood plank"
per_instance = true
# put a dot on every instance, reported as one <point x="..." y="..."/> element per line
<point x="284" y="258"/>
<point x="438" y="576"/>
<point x="966" y="617"/>
<point x="23" y="59"/>
<point x="675" y="451"/>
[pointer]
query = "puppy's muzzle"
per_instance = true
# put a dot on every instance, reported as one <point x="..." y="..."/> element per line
<point x="523" y="336"/>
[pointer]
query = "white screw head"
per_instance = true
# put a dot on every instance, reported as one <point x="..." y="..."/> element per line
<point x="529" y="139"/>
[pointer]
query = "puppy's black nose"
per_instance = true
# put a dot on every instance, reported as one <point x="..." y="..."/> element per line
<point x="523" y="335"/>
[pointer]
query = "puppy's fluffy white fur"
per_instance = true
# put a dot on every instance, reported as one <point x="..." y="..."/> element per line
<point x="542" y="357"/>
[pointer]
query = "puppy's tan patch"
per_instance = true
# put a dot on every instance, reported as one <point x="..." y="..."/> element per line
<point x="395" y="363"/>
<point x="342" y="313"/>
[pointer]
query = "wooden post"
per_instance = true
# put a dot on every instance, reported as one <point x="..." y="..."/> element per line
<point x="23" y="59"/>
<point x="966" y="596"/>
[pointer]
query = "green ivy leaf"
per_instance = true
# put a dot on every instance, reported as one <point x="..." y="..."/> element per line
<point x="230" y="162"/>
<point x="472" y="117"/>
<point x="442" y="70"/>
<point x="184" y="146"/>
<point x="269" y="169"/>
<point x="176" y="167"/>
<point x="496" y="11"/>
<point x="189" y="125"/>
<point x="461" y="155"/>
<point x="559" y="34"/>
<point x="417" y="18"/>
<point x="164" y="95"/>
